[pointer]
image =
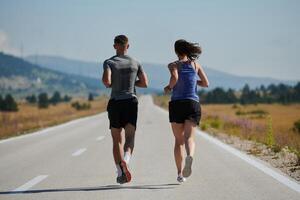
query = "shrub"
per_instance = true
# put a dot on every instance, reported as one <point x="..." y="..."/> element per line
<point x="81" y="106"/>
<point x="91" y="97"/>
<point x="204" y="126"/>
<point x="56" y="98"/>
<point x="239" y="112"/>
<point x="216" y="123"/>
<point x="31" y="99"/>
<point x="258" y="112"/>
<point x="297" y="126"/>
<point x="270" y="136"/>
<point x="9" y="104"/>
<point x="43" y="100"/>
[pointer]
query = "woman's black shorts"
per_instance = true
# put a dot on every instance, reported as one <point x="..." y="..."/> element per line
<point x="122" y="112"/>
<point x="187" y="109"/>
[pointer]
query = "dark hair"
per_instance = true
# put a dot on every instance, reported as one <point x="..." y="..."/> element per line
<point x="121" y="39"/>
<point x="192" y="50"/>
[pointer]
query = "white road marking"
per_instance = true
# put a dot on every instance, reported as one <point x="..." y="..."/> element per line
<point x="78" y="152"/>
<point x="267" y="170"/>
<point x="31" y="183"/>
<point x="100" y="138"/>
<point x="281" y="178"/>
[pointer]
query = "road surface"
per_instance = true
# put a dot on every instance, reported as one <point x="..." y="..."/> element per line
<point x="74" y="161"/>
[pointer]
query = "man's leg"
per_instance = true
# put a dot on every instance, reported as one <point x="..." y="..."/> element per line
<point x="117" y="144"/>
<point x="129" y="141"/>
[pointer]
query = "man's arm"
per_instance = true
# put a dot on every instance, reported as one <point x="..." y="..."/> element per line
<point x="106" y="77"/>
<point x="143" y="80"/>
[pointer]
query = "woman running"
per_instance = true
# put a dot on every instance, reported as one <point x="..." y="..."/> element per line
<point x="184" y="107"/>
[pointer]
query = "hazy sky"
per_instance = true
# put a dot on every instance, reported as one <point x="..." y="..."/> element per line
<point x="244" y="37"/>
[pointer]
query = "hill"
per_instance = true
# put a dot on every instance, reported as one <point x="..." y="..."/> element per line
<point x="21" y="77"/>
<point x="158" y="74"/>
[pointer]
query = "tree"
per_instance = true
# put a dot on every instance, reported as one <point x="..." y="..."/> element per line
<point x="91" y="97"/>
<point x="230" y="96"/>
<point x="9" y="104"/>
<point x="67" y="98"/>
<point x="1" y="102"/>
<point x="43" y="100"/>
<point x="31" y="99"/>
<point x="56" y="98"/>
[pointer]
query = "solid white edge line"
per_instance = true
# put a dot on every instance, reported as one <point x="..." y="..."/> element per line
<point x="30" y="183"/>
<point x="52" y="128"/>
<point x="79" y="152"/>
<point x="267" y="170"/>
<point x="100" y="138"/>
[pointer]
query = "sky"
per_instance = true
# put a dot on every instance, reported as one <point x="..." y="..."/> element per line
<point x="244" y="37"/>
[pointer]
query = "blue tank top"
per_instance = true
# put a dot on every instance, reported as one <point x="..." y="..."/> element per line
<point x="186" y="86"/>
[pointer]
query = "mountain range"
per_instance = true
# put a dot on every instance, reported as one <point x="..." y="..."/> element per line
<point x="158" y="74"/>
<point x="20" y="77"/>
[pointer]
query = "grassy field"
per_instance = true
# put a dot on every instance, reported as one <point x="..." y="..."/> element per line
<point x="271" y="124"/>
<point x="30" y="117"/>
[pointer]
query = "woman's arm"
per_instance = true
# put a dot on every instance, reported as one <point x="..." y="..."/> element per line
<point x="203" y="82"/>
<point x="174" y="77"/>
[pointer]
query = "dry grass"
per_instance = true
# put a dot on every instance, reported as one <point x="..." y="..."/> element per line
<point x="251" y="121"/>
<point x="30" y="117"/>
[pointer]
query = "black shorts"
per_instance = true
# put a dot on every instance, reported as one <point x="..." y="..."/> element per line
<point x="187" y="109"/>
<point x="122" y="112"/>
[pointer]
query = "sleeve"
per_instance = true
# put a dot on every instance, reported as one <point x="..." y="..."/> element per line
<point x="106" y="65"/>
<point x="140" y="68"/>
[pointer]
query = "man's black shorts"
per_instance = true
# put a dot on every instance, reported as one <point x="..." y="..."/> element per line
<point x="122" y="112"/>
<point x="187" y="109"/>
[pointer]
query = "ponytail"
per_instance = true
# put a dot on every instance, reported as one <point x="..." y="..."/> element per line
<point x="191" y="50"/>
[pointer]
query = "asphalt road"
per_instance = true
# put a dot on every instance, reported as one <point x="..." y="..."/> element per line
<point x="74" y="161"/>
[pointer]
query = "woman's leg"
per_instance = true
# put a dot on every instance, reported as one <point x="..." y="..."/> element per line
<point x="178" y="131"/>
<point x="189" y="137"/>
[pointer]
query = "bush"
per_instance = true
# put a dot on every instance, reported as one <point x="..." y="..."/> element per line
<point x="239" y="112"/>
<point x="258" y="112"/>
<point x="216" y="123"/>
<point x="204" y="126"/>
<point x="67" y="98"/>
<point x="81" y="106"/>
<point x="56" y="98"/>
<point x="91" y="97"/>
<point x="43" y="100"/>
<point x="270" y="136"/>
<point x="31" y="99"/>
<point x="9" y="104"/>
<point x="1" y="102"/>
<point x="297" y="126"/>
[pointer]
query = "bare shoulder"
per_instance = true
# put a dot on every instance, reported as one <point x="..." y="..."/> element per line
<point x="173" y="65"/>
<point x="198" y="66"/>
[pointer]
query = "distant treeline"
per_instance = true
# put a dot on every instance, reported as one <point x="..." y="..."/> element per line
<point x="44" y="101"/>
<point x="9" y="104"/>
<point x="280" y="93"/>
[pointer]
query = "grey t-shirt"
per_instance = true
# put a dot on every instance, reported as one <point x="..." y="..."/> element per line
<point x="124" y="71"/>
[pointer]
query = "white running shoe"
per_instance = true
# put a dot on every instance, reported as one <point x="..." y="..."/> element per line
<point x="187" y="170"/>
<point x="181" y="179"/>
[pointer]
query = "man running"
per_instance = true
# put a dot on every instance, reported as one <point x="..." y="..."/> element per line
<point x="122" y="73"/>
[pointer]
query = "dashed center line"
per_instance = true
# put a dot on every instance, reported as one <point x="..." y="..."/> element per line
<point x="100" y="138"/>
<point x="79" y="151"/>
<point x="31" y="183"/>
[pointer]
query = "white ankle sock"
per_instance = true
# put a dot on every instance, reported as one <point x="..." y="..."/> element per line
<point x="119" y="171"/>
<point x="127" y="157"/>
